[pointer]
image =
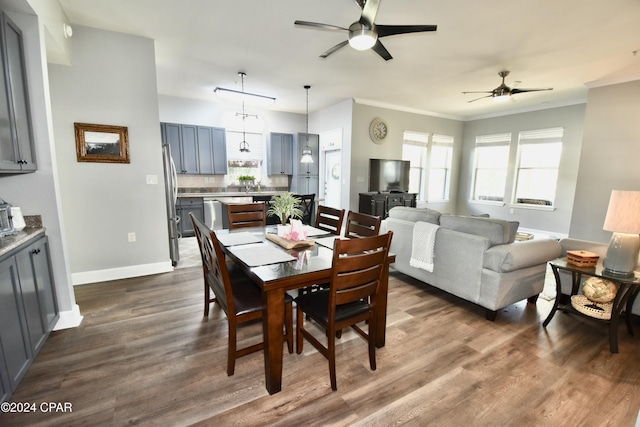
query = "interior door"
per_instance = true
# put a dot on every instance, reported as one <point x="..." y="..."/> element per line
<point x="332" y="178"/>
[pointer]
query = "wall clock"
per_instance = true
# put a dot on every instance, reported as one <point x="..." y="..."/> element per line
<point x="378" y="130"/>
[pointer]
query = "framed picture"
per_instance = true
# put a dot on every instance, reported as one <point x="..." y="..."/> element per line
<point x="101" y="143"/>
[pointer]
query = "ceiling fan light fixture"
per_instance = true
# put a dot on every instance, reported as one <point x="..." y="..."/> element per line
<point x="502" y="98"/>
<point x="361" y="37"/>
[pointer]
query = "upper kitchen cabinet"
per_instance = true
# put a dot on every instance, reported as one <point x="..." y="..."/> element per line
<point x="280" y="154"/>
<point x="212" y="150"/>
<point x="16" y="137"/>
<point x="196" y="149"/>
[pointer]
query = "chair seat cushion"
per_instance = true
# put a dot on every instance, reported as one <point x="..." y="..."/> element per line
<point x="316" y="304"/>
<point x="247" y="296"/>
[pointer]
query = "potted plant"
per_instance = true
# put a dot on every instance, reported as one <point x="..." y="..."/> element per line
<point x="284" y="206"/>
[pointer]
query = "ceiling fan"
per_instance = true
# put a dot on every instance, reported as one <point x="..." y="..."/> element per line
<point x="504" y="92"/>
<point x="364" y="34"/>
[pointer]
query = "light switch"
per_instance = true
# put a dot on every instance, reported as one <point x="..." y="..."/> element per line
<point x="152" y="179"/>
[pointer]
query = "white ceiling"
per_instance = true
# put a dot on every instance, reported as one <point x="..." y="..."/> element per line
<point x="201" y="44"/>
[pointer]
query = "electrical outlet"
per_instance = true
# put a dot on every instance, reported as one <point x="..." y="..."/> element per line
<point x="131" y="236"/>
<point x="152" y="179"/>
<point x="511" y="211"/>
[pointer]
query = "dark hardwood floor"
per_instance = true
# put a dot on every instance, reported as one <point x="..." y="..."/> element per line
<point x="144" y="355"/>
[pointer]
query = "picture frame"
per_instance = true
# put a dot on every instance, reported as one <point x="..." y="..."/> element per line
<point x="101" y="143"/>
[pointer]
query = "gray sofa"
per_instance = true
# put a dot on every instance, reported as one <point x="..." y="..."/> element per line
<point x="569" y="244"/>
<point x="474" y="258"/>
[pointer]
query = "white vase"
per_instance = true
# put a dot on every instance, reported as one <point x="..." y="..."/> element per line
<point x="283" y="230"/>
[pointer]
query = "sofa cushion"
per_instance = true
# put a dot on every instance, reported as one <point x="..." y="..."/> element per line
<point x="498" y="231"/>
<point x="415" y="214"/>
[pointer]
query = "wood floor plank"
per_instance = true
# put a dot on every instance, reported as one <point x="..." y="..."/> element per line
<point x="145" y="355"/>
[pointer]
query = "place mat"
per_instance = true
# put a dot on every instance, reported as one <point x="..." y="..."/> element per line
<point x="327" y="241"/>
<point x="242" y="238"/>
<point x="255" y="255"/>
<point x="312" y="231"/>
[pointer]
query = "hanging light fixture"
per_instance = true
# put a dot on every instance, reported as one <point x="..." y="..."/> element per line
<point x="306" y="152"/>
<point x="244" y="146"/>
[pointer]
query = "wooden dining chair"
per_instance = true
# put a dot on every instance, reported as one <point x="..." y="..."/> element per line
<point x="362" y="225"/>
<point x="329" y="219"/>
<point x="247" y="215"/>
<point x="357" y="269"/>
<point x="271" y="220"/>
<point x="233" y="290"/>
<point x="307" y="203"/>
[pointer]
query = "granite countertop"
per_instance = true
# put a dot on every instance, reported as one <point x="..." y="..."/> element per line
<point x="33" y="230"/>
<point x="229" y="194"/>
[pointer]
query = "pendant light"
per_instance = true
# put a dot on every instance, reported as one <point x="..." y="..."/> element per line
<point x="244" y="146"/>
<point x="306" y="152"/>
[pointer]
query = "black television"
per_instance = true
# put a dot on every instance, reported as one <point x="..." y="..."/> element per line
<point x="389" y="175"/>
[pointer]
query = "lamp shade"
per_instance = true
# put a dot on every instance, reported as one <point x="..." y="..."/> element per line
<point x="623" y="214"/>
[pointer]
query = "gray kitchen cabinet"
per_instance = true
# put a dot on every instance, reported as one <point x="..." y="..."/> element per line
<point x="28" y="309"/>
<point x="189" y="153"/>
<point x="196" y="149"/>
<point x="280" y="154"/>
<point x="183" y="207"/>
<point x="307" y="174"/>
<point x="16" y="137"/>
<point x="212" y="151"/>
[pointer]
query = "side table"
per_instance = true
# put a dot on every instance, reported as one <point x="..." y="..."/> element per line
<point x="628" y="289"/>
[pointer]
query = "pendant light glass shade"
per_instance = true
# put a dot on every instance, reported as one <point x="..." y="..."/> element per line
<point x="307" y="156"/>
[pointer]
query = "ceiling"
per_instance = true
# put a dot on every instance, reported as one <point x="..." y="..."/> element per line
<point x="201" y="44"/>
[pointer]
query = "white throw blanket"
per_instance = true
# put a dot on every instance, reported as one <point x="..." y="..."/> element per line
<point x="422" y="247"/>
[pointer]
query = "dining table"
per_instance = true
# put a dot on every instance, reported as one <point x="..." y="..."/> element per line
<point x="277" y="270"/>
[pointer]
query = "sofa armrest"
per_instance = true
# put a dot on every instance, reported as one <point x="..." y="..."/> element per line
<point x="518" y="255"/>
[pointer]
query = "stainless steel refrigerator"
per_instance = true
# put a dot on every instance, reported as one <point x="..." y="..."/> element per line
<point x="171" y="194"/>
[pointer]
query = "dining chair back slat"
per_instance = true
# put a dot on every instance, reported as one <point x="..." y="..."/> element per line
<point x="362" y="225"/>
<point x="247" y="215"/>
<point x="329" y="219"/>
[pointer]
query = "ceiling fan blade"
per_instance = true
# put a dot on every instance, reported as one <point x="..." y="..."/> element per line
<point x="482" y="97"/>
<point x="335" y="48"/>
<point x="479" y="91"/>
<point x="319" y="25"/>
<point x="381" y="50"/>
<point x="515" y="90"/>
<point x="392" y="30"/>
<point x="369" y="12"/>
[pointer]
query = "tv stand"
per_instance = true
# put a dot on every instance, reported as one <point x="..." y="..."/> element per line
<point x="379" y="203"/>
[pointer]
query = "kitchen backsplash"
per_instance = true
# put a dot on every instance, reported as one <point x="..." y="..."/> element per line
<point x="221" y="184"/>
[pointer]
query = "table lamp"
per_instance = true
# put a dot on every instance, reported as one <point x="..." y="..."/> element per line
<point x="623" y="218"/>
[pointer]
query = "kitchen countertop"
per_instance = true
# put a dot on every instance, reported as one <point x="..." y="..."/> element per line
<point x="8" y="243"/>
<point x="229" y="194"/>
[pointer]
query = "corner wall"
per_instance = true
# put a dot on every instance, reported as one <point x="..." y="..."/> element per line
<point x="112" y="81"/>
<point x="609" y="158"/>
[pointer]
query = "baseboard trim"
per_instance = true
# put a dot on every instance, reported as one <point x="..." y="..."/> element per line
<point x="96" y="276"/>
<point x="69" y="319"/>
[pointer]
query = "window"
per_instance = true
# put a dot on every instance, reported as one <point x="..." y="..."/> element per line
<point x="244" y="163"/>
<point x="490" y="167"/>
<point x="440" y="167"/>
<point x="538" y="161"/>
<point x="414" y="149"/>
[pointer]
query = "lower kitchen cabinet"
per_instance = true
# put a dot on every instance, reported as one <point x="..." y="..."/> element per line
<point x="183" y="207"/>
<point x="28" y="309"/>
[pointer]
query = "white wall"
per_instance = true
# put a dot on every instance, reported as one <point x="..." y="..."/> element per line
<point x="338" y="116"/>
<point x="363" y="149"/>
<point x="571" y="119"/>
<point x="112" y="81"/>
<point x="609" y="158"/>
